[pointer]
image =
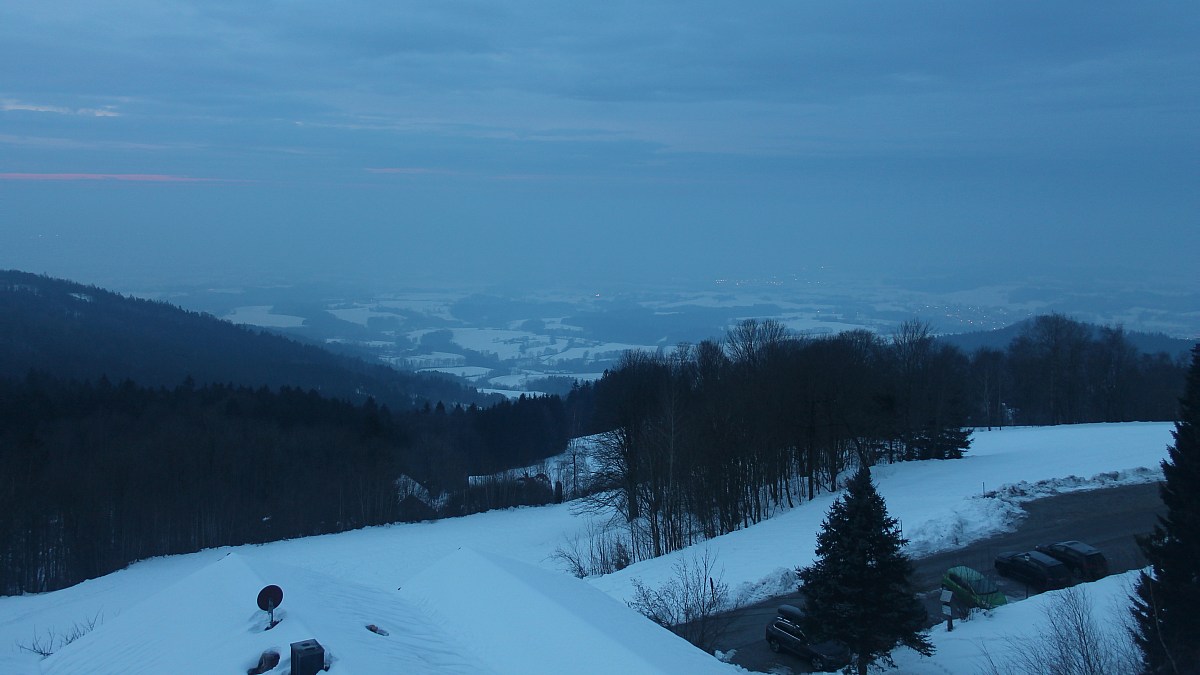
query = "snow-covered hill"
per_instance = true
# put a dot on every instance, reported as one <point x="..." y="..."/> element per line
<point x="434" y="587"/>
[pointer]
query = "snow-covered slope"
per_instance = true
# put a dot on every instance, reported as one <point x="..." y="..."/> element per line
<point x="209" y="622"/>
<point x="524" y="619"/>
<point x="940" y="503"/>
<point x="196" y="612"/>
<point x="1018" y="626"/>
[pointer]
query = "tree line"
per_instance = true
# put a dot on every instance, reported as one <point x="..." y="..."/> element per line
<point x="1061" y="371"/>
<point x="693" y="443"/>
<point x="716" y="436"/>
<point x="94" y="476"/>
<point x="75" y="331"/>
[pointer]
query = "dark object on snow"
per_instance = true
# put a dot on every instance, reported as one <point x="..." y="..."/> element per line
<point x="1084" y="561"/>
<point x="269" y="598"/>
<point x="377" y="630"/>
<point x="972" y="589"/>
<point x="266" y="662"/>
<point x="308" y="657"/>
<point x="1036" y="570"/>
<point x="785" y="634"/>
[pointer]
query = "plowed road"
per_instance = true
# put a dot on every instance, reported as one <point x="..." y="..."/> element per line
<point x="1107" y="519"/>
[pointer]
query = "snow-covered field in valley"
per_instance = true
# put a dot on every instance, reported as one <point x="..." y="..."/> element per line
<point x="485" y="593"/>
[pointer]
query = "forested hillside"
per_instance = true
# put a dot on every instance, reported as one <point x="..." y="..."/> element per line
<point x="96" y="475"/>
<point x="716" y="436"/>
<point x="74" y="331"/>
<point x="131" y="428"/>
<point x="1059" y="371"/>
<point x="1146" y="343"/>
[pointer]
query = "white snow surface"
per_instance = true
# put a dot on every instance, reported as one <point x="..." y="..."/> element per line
<point x="940" y="503"/>
<point x="567" y="626"/>
<point x="1016" y="625"/>
<point x="263" y="315"/>
<point x="466" y="372"/>
<point x="362" y="314"/>
<point x="197" y="612"/>
<point x="202" y="623"/>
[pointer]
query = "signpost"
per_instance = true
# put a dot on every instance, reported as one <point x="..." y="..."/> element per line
<point x="947" y="610"/>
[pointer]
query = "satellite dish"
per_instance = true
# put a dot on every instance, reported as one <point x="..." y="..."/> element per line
<point x="269" y="598"/>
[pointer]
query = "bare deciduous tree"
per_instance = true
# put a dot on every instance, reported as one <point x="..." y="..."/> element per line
<point x="694" y="604"/>
<point x="1069" y="641"/>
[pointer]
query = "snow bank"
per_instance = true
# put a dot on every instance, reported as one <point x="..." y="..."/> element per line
<point x="1018" y="623"/>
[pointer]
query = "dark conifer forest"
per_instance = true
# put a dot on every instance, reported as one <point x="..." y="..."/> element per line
<point x="131" y="428"/>
<point x="94" y="476"/>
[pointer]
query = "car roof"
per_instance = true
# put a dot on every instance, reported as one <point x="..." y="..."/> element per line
<point x="1043" y="558"/>
<point x="791" y="612"/>
<point x="965" y="572"/>
<point x="1079" y="546"/>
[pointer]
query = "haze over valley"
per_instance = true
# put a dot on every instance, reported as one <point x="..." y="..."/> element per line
<point x="515" y="336"/>
<point x="510" y="340"/>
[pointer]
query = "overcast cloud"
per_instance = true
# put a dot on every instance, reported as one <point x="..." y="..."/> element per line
<point x="547" y="141"/>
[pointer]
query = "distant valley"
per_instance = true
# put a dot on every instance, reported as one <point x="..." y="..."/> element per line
<point x="512" y="342"/>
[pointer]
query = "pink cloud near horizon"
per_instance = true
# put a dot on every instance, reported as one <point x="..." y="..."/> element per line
<point x="414" y="171"/>
<point x="128" y="177"/>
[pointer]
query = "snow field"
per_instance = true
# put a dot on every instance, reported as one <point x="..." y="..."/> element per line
<point x="940" y="503"/>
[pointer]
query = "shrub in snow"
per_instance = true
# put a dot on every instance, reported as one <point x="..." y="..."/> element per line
<point x="693" y="604"/>
<point x="1069" y="641"/>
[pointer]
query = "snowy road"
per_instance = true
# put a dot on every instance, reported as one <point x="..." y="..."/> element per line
<point x="1107" y="518"/>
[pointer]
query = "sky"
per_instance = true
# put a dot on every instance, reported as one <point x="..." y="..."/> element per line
<point x="546" y="142"/>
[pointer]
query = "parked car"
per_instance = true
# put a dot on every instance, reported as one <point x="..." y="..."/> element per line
<point x="972" y="589"/>
<point x="1084" y="561"/>
<point x="785" y="635"/>
<point x="1036" y="570"/>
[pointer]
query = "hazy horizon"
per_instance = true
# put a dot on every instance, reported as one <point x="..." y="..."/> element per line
<point x="531" y="143"/>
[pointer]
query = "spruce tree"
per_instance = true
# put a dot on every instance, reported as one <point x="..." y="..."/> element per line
<point x="1166" y="605"/>
<point x="858" y="590"/>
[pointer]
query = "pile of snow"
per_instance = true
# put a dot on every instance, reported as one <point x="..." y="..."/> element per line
<point x="1018" y="625"/>
<point x="197" y="611"/>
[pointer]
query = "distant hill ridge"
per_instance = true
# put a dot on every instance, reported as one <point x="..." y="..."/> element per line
<point x="71" y="330"/>
<point x="1147" y="343"/>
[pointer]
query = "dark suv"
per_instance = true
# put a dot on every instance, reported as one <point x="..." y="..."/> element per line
<point x="784" y="634"/>
<point x="1036" y="570"/>
<point x="1085" y="562"/>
